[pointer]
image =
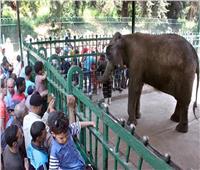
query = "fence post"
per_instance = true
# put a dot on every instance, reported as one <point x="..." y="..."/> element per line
<point x="106" y="139"/>
<point x="50" y="45"/>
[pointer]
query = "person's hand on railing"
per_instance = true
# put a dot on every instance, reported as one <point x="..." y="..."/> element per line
<point x="87" y="124"/>
<point x="51" y="106"/>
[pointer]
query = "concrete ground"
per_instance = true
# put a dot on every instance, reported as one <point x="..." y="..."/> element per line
<point x="156" y="109"/>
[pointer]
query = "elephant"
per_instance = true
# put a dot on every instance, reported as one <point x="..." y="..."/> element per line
<point x="168" y="62"/>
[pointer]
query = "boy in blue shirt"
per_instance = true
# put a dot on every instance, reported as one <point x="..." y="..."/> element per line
<point x="64" y="154"/>
<point x="36" y="152"/>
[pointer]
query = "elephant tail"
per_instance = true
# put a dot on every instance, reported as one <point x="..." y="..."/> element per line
<point x="197" y="87"/>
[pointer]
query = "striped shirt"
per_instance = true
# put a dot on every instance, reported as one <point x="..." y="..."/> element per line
<point x="66" y="156"/>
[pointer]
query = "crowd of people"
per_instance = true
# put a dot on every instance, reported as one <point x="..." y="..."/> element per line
<point x="93" y="67"/>
<point x="34" y="135"/>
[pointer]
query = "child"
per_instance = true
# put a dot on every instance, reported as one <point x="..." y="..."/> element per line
<point x="40" y="78"/>
<point x="64" y="154"/>
<point x="36" y="152"/>
<point x="40" y="83"/>
<point x="11" y="155"/>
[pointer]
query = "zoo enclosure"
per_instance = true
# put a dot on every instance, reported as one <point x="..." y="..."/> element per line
<point x="111" y="140"/>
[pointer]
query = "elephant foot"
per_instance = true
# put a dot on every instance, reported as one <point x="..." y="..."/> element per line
<point x="175" y="118"/>
<point x="182" y="127"/>
<point x="130" y="121"/>
<point x="138" y="116"/>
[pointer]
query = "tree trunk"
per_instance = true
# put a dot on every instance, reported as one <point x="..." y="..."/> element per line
<point x="124" y="12"/>
<point x="174" y="9"/>
<point x="93" y="3"/>
<point x="76" y="8"/>
<point x="193" y="11"/>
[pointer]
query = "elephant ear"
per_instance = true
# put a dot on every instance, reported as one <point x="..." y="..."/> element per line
<point x="118" y="52"/>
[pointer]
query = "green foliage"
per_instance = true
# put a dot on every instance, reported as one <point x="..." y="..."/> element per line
<point x="60" y="14"/>
<point x="7" y="12"/>
<point x="27" y="29"/>
<point x="41" y="20"/>
<point x="29" y="8"/>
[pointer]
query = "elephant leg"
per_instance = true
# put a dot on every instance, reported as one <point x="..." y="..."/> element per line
<point x="175" y="117"/>
<point x="138" y="113"/>
<point x="183" y="116"/>
<point x="183" y="100"/>
<point x="134" y="93"/>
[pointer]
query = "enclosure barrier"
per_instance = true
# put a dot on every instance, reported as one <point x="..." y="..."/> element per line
<point x="111" y="144"/>
<point x="96" y="43"/>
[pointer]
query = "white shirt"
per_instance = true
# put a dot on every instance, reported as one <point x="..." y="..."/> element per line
<point x="29" y="119"/>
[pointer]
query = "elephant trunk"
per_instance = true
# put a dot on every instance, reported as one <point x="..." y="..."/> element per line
<point x="108" y="72"/>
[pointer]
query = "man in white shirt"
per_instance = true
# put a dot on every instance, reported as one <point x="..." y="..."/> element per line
<point x="35" y="115"/>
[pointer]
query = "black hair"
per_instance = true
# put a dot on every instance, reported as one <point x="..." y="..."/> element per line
<point x="18" y="58"/>
<point x="4" y="61"/>
<point x="38" y="66"/>
<point x="102" y="55"/>
<point x="76" y="51"/>
<point x="11" y="135"/>
<point x="28" y="70"/>
<point x="36" y="129"/>
<point x="2" y="81"/>
<point x="54" y="116"/>
<point x="59" y="125"/>
<point x="19" y="82"/>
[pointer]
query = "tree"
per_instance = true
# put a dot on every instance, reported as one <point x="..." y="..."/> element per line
<point x="192" y="14"/>
<point x="174" y="9"/>
<point x="162" y="9"/>
<point x="149" y="5"/>
<point x="124" y="12"/>
<point x="76" y="8"/>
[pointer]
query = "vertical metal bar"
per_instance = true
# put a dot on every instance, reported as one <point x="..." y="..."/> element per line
<point x="74" y="42"/>
<point x="140" y="161"/>
<point x="96" y="48"/>
<point x="133" y="17"/>
<point x="19" y="30"/>
<point x="127" y="153"/>
<point x="90" y="133"/>
<point x="116" y="150"/>
<point x="117" y="145"/>
<point x="105" y="138"/>
<point x="28" y="58"/>
<point x="96" y="142"/>
<point x="84" y="131"/>
<point x="50" y="46"/>
<point x="1" y="9"/>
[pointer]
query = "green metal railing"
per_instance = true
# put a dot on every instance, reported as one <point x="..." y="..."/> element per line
<point x="111" y="144"/>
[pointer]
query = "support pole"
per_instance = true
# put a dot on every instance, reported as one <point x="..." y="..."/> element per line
<point x="19" y="30"/>
<point x="1" y="9"/>
<point x="133" y="17"/>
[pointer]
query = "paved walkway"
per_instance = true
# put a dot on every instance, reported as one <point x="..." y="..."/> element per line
<point x="156" y="108"/>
